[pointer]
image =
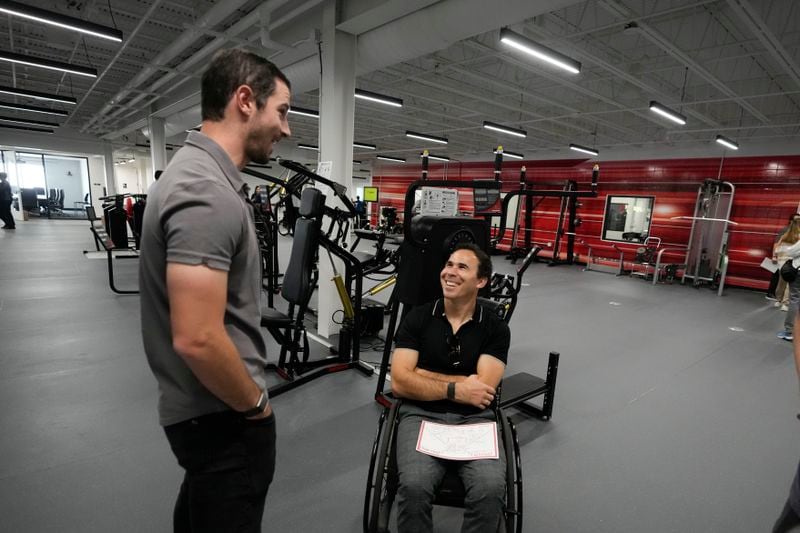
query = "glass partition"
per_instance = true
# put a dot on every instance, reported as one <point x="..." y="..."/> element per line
<point x="54" y="186"/>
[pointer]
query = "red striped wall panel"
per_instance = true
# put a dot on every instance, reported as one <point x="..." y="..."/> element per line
<point x="767" y="193"/>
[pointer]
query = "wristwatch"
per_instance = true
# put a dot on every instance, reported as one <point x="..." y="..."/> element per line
<point x="451" y="390"/>
<point x="259" y="407"/>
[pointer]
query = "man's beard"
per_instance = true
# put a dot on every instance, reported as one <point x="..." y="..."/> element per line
<point x="255" y="149"/>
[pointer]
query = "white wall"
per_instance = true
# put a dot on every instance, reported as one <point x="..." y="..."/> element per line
<point x="134" y="177"/>
<point x="97" y="180"/>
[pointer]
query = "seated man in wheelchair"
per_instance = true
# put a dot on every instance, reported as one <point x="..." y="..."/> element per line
<point x="449" y="358"/>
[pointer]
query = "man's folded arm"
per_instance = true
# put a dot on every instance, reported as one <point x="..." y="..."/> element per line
<point x="408" y="383"/>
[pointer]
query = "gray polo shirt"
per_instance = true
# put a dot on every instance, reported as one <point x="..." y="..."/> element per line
<point x="197" y="215"/>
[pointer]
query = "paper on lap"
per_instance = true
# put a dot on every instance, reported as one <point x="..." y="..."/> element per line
<point x="465" y="442"/>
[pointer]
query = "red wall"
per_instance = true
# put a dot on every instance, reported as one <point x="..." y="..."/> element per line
<point x="767" y="193"/>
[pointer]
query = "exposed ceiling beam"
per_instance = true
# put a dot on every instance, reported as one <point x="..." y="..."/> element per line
<point x="121" y="49"/>
<point x="616" y="25"/>
<point x="566" y="83"/>
<point x="745" y="11"/>
<point x="619" y="73"/>
<point x="616" y="8"/>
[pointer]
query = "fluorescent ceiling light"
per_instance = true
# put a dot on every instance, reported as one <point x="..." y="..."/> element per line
<point x="389" y="158"/>
<point x="23" y="107"/>
<point x="504" y="129"/>
<point x="308" y="146"/>
<point x="38" y="95"/>
<point x="512" y="155"/>
<point x="666" y="112"/>
<point x="365" y="146"/>
<point x="59" y="20"/>
<point x="425" y="137"/>
<point x="25" y="128"/>
<point x="584" y="149"/>
<point x="728" y="143"/>
<point x="304" y="112"/>
<point x="379" y="98"/>
<point x="515" y="40"/>
<point x="29" y="122"/>
<point x="356" y="162"/>
<point x="437" y="157"/>
<point x="69" y="68"/>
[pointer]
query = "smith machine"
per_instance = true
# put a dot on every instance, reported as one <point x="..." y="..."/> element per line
<point x="428" y="242"/>
<point x="567" y="217"/>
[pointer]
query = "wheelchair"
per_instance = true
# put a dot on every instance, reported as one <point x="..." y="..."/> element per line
<point x="383" y="477"/>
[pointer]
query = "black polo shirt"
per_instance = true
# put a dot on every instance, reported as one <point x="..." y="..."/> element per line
<point x="426" y="330"/>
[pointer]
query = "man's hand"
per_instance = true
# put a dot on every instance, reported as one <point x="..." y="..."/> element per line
<point x="473" y="391"/>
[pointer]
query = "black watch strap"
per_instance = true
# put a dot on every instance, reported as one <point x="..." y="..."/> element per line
<point x="259" y="407"/>
<point x="451" y="390"/>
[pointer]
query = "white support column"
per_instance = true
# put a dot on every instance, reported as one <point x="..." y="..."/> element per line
<point x="144" y="172"/>
<point x="158" y="146"/>
<point x="337" y="104"/>
<point x="111" y="181"/>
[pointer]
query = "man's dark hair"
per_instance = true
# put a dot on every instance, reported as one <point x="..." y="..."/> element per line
<point x="484" y="261"/>
<point x="230" y="69"/>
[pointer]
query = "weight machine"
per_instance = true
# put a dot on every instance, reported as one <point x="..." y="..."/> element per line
<point x="707" y="256"/>
<point x="348" y="284"/>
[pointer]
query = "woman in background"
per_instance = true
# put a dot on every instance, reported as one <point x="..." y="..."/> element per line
<point x="788" y="248"/>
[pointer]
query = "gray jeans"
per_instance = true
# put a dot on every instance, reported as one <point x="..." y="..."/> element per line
<point x="794" y="299"/>
<point x="420" y="475"/>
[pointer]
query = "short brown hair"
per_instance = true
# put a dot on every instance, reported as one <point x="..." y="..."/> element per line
<point x="230" y="69"/>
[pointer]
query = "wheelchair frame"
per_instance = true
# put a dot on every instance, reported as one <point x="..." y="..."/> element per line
<point x="382" y="478"/>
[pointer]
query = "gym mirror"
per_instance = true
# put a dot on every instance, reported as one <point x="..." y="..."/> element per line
<point x="627" y="218"/>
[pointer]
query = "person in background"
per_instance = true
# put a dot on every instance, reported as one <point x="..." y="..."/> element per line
<point x="788" y="249"/>
<point x="361" y="212"/>
<point x="789" y="519"/>
<point x="5" y="202"/>
<point x="200" y="283"/>
<point x="775" y="281"/>
<point x="257" y="198"/>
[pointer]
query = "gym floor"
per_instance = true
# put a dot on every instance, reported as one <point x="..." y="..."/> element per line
<point x="675" y="409"/>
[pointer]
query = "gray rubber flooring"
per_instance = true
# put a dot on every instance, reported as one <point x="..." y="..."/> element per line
<point x="666" y="419"/>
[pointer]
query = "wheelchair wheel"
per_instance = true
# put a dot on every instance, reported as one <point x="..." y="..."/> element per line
<point x="382" y="480"/>
<point x="513" y="511"/>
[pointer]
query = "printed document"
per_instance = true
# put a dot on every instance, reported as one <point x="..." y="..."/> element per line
<point x="464" y="442"/>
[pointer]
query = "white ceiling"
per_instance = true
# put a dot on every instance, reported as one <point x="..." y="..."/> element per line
<point x="731" y="66"/>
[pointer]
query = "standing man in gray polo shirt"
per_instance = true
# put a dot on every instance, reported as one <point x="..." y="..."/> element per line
<point x="200" y="281"/>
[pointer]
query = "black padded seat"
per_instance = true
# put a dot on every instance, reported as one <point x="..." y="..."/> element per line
<point x="271" y="316"/>
<point x="363" y="257"/>
<point x="299" y="280"/>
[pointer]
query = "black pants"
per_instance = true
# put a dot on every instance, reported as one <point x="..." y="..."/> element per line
<point x="5" y="215"/>
<point x="773" y="282"/>
<point x="789" y="520"/>
<point x="229" y="463"/>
